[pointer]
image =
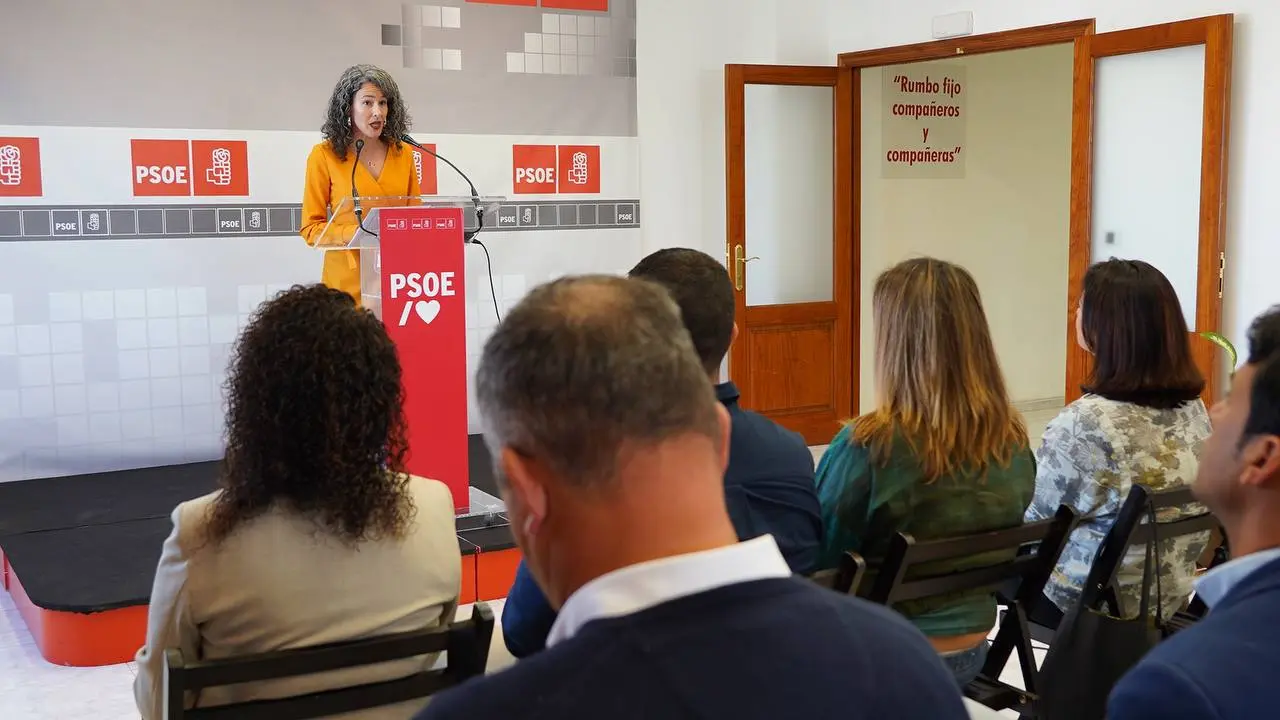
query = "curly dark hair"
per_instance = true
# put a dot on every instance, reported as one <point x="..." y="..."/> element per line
<point x="337" y="122"/>
<point x="315" y="420"/>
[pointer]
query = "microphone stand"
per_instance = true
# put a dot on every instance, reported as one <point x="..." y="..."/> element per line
<point x="355" y="194"/>
<point x="471" y="236"/>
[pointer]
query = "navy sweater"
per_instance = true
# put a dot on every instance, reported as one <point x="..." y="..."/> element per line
<point x="774" y="649"/>
<point x="1221" y="668"/>
<point x="768" y="490"/>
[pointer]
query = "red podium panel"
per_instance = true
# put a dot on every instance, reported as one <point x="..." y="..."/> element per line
<point x="424" y="309"/>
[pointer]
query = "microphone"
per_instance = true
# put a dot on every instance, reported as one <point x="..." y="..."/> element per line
<point x="355" y="194"/>
<point x="471" y="236"/>
<point x="475" y="195"/>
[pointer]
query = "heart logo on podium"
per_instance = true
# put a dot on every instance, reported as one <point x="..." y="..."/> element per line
<point x="427" y="310"/>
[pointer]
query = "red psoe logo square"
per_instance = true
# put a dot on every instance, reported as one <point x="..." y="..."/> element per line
<point x="579" y="169"/>
<point x="20" y="167"/>
<point x="161" y="167"/>
<point x="533" y="169"/>
<point x="424" y="165"/>
<point x="220" y="168"/>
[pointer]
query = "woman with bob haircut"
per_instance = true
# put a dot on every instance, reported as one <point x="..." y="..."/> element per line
<point x="1141" y="420"/>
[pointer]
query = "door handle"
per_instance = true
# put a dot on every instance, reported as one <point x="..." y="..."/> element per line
<point x="740" y="266"/>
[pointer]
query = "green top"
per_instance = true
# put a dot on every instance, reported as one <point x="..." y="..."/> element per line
<point x="864" y="506"/>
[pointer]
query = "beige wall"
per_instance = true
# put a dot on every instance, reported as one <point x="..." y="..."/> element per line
<point x="1006" y="220"/>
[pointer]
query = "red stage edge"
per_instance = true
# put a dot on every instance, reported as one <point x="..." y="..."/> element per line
<point x="81" y="639"/>
<point x="114" y="636"/>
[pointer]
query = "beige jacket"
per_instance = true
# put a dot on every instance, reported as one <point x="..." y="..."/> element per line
<point x="278" y="583"/>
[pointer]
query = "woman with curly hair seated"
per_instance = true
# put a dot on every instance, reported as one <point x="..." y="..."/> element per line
<point x="317" y="534"/>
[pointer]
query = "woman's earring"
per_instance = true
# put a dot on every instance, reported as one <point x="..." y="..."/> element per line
<point x="348" y="121"/>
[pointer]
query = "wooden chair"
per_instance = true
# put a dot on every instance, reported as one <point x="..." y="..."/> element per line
<point x="466" y="642"/>
<point x="1101" y="589"/>
<point x="847" y="578"/>
<point x="1041" y="544"/>
<point x="1129" y="530"/>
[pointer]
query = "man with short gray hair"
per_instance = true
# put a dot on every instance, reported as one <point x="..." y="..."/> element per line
<point x="610" y="449"/>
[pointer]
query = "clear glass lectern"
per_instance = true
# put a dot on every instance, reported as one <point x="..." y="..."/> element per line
<point x="343" y="232"/>
<point x="414" y="247"/>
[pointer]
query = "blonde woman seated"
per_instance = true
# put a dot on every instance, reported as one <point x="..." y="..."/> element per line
<point x="1141" y="420"/>
<point x="943" y="455"/>
<point x="317" y="534"/>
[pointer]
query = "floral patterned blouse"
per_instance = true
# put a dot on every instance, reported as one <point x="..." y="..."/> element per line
<point x="1092" y="453"/>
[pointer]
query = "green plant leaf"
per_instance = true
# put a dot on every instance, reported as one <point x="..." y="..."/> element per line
<point x="1225" y="344"/>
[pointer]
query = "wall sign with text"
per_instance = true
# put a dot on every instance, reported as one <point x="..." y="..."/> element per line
<point x="182" y="168"/>
<point x="924" y="116"/>
<point x="555" y="169"/>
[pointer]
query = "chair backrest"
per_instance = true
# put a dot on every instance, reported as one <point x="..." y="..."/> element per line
<point x="846" y="578"/>
<point x="1129" y="530"/>
<point x="1034" y="550"/>
<point x="466" y="642"/>
<point x="893" y="586"/>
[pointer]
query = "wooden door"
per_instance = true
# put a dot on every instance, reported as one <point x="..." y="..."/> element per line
<point x="1149" y="164"/>
<point x="789" y="174"/>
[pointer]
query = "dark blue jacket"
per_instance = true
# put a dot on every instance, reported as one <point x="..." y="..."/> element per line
<point x="768" y="487"/>
<point x="1222" y="668"/>
<point x="762" y="650"/>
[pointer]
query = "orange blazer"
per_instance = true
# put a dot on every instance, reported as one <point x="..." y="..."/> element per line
<point x="328" y="183"/>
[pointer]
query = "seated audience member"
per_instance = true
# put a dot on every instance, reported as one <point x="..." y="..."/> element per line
<point x="768" y="485"/>
<point x="1225" y="665"/>
<point x="611" y="449"/>
<point x="1141" y="420"/>
<point x="944" y="454"/>
<point x="317" y="535"/>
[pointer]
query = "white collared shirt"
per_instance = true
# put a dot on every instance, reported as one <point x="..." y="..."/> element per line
<point x="642" y="586"/>
<point x="1215" y="584"/>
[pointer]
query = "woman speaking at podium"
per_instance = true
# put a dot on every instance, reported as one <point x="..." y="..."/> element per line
<point x="361" y="152"/>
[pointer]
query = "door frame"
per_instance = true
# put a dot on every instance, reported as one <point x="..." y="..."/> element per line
<point x="817" y="424"/>
<point x="1074" y="31"/>
<point x="1215" y="32"/>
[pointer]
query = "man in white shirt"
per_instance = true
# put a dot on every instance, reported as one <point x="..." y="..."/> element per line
<point x="610" y="448"/>
<point x="1225" y="665"/>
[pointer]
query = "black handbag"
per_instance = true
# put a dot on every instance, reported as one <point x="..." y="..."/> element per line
<point x="1093" y="649"/>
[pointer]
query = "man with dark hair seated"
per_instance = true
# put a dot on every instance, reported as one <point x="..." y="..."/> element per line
<point x="610" y="449"/>
<point x="1225" y="665"/>
<point x="768" y="485"/>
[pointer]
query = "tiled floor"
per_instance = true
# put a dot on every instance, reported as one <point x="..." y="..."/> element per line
<point x="32" y="689"/>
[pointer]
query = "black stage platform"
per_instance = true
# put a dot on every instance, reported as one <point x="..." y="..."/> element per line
<point x="90" y="543"/>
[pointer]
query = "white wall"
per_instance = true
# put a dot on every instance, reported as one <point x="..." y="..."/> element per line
<point x="681" y="50"/>
<point x="1006" y="220"/>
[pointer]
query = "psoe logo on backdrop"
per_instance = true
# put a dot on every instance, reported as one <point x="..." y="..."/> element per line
<point x="421" y="292"/>
<point x="533" y="169"/>
<point x="20" y="167"/>
<point x="579" y="169"/>
<point x="220" y="167"/>
<point x="161" y="168"/>
<point x="552" y="169"/>
<point x="190" y="167"/>
<point x="425" y="166"/>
